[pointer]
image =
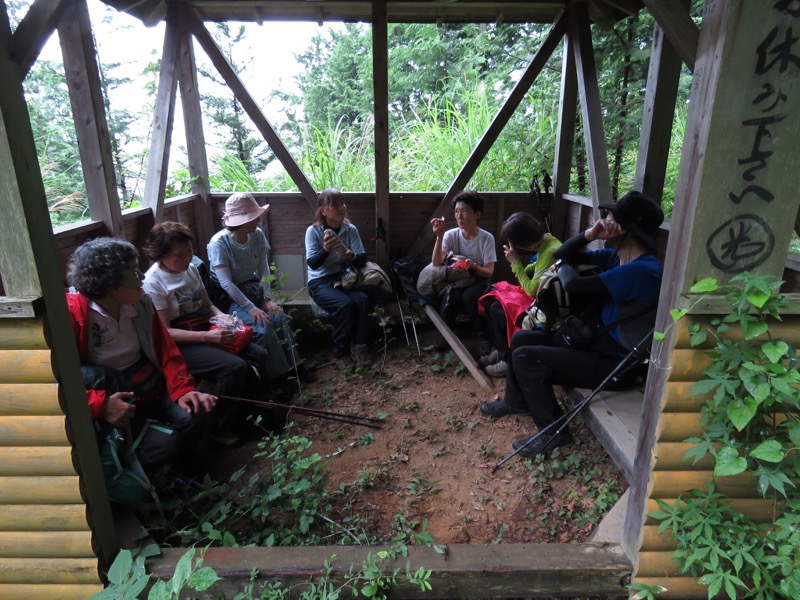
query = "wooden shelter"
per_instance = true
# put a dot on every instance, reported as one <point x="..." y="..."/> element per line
<point x="737" y="185"/>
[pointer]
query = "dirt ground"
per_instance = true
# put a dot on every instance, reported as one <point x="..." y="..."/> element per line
<point x="433" y="457"/>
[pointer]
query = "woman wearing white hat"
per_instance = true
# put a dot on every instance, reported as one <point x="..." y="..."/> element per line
<point x="239" y="259"/>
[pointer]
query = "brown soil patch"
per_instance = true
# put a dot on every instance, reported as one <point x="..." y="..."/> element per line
<point x="434" y="455"/>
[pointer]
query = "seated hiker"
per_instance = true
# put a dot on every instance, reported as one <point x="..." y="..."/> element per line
<point x="176" y="288"/>
<point x="628" y="290"/>
<point x="505" y="303"/>
<point x="239" y="259"/>
<point x="133" y="371"/>
<point x="476" y="247"/>
<point x="333" y="243"/>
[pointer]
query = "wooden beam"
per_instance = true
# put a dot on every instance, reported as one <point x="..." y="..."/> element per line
<point x="658" y="114"/>
<point x="201" y="34"/>
<point x="466" y="571"/>
<point x="565" y="140"/>
<point x="591" y="112"/>
<point x="515" y="98"/>
<point x="195" y="138"/>
<point x="678" y="26"/>
<point x="89" y="115"/>
<point x="380" y="82"/>
<point x="163" y="116"/>
<point x="458" y="347"/>
<point x="34" y="30"/>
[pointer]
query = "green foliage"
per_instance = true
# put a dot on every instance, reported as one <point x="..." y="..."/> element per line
<point x="127" y="577"/>
<point x="371" y="579"/>
<point x="277" y="506"/>
<point x="751" y="424"/>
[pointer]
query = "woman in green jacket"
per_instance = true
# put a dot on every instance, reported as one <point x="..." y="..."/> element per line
<point x="501" y="307"/>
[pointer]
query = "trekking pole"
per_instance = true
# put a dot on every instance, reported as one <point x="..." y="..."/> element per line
<point x="565" y="419"/>
<point x="311" y="412"/>
<point x="380" y="234"/>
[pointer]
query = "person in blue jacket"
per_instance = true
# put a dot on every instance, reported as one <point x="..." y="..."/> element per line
<point x="627" y="290"/>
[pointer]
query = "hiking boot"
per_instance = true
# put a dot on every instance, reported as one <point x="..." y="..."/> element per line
<point x="441" y="345"/>
<point x="484" y="346"/>
<point x="345" y="363"/>
<point x="543" y="444"/>
<point x="489" y="359"/>
<point x="363" y="357"/>
<point x="498" y="369"/>
<point x="501" y="408"/>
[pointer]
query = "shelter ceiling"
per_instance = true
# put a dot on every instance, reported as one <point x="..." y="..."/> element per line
<point x="602" y="12"/>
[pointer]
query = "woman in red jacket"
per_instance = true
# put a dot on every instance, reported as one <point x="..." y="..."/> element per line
<point x="132" y="369"/>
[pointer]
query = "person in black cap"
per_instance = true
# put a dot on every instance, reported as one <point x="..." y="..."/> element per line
<point x="627" y="290"/>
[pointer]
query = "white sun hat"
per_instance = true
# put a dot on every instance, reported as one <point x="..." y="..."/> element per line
<point x="242" y="208"/>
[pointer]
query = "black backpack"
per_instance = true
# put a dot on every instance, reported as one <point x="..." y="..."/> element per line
<point x="552" y="303"/>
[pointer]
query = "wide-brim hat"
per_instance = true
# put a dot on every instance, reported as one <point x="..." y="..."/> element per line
<point x="242" y="208"/>
<point x="638" y="215"/>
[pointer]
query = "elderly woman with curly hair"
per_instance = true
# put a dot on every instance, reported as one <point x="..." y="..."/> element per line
<point x="133" y="371"/>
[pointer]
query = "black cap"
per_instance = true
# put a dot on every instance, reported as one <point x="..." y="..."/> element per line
<point x="638" y="215"/>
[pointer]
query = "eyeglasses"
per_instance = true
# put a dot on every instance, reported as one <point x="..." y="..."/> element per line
<point x="337" y="205"/>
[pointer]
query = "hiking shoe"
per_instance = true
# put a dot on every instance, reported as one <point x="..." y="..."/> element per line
<point x="441" y="345"/>
<point x="498" y="369"/>
<point x="363" y="357"/>
<point x="345" y="363"/>
<point x="489" y="359"/>
<point x="484" y="346"/>
<point x="501" y="408"/>
<point x="542" y="445"/>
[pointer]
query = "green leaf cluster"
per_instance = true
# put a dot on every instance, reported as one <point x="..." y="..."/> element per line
<point x="751" y="424"/>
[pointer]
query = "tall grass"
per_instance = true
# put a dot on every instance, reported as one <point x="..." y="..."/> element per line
<point x="426" y="152"/>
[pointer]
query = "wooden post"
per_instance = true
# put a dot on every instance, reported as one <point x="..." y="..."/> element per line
<point x="195" y="138"/>
<point x="565" y="141"/>
<point x="380" y="82"/>
<point x="658" y="113"/>
<point x="736" y="198"/>
<point x="89" y="115"/>
<point x="158" y="158"/>
<point x="30" y="266"/>
<point x="583" y="53"/>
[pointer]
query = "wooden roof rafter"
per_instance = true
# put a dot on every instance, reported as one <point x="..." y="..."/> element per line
<point x="605" y="12"/>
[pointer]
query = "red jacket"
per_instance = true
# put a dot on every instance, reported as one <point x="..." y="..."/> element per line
<point x="156" y="344"/>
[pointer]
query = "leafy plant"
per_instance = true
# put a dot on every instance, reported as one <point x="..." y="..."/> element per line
<point x="751" y="423"/>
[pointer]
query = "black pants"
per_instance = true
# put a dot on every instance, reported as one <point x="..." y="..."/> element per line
<point x="536" y="364"/>
<point x="159" y="445"/>
<point x="496" y="325"/>
<point x="455" y="299"/>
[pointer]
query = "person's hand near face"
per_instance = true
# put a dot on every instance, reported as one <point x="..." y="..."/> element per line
<point x="510" y="252"/>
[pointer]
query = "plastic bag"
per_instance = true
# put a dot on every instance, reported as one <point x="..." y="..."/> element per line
<point x="243" y="333"/>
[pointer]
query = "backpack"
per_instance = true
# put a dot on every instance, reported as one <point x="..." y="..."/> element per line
<point x="370" y="278"/>
<point x="552" y="303"/>
<point x="126" y="481"/>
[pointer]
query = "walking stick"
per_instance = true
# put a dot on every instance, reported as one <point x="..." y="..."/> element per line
<point x="565" y="419"/>
<point x="311" y="412"/>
